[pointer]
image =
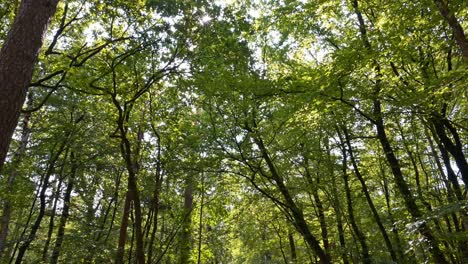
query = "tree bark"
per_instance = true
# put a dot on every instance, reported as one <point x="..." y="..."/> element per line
<point x="403" y="187"/>
<point x="457" y="29"/>
<point x="451" y="176"/>
<point x="17" y="59"/>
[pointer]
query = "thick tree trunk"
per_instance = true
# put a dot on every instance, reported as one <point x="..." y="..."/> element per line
<point x="140" y="250"/>
<point x="457" y="29"/>
<point x="17" y="59"/>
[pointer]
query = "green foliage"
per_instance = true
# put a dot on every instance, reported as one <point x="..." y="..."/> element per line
<point x="243" y="104"/>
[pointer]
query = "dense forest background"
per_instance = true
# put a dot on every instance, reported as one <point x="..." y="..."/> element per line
<point x="263" y="131"/>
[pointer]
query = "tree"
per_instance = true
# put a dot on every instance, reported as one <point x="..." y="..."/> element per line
<point x="242" y="132"/>
<point x="17" y="59"/>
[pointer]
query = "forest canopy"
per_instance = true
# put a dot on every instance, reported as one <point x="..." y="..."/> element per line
<point x="233" y="131"/>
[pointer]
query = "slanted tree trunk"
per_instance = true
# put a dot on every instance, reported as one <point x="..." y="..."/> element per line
<point x="339" y="222"/>
<point x="457" y="29"/>
<point x="349" y="205"/>
<point x="400" y="181"/>
<point x="385" y="185"/>
<point x="365" y="190"/>
<point x="42" y="199"/>
<point x="318" y="204"/>
<point x="455" y="148"/>
<point x="17" y="59"/>
<point x="403" y="187"/>
<point x="451" y="176"/>
<point x="299" y="221"/>
<point x="123" y="230"/>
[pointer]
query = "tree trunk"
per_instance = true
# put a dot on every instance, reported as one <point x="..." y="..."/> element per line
<point x="349" y="205"/>
<point x="396" y="236"/>
<point x="156" y="194"/>
<point x="339" y="222"/>
<point x="65" y="212"/>
<point x="28" y="220"/>
<point x="132" y="190"/>
<point x="365" y="190"/>
<point x="400" y="181"/>
<point x="17" y="59"/>
<point x="292" y="247"/>
<point x="299" y="221"/>
<point x="319" y="204"/>
<point x="114" y="211"/>
<point x="457" y="29"/>
<point x="7" y="208"/>
<point x="123" y="230"/>
<point x="403" y="187"/>
<point x="456" y="149"/>
<point x="322" y="220"/>
<point x="451" y="176"/>
<point x="200" y="224"/>
<point x="185" y="234"/>
<point x="42" y="199"/>
<point x="55" y="199"/>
